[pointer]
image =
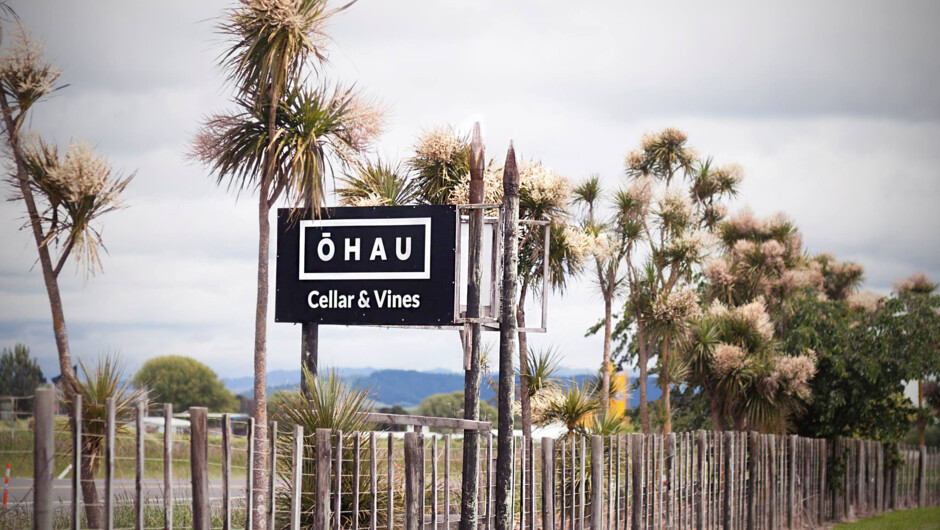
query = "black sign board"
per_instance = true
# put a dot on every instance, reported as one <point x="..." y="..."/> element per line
<point x="389" y="265"/>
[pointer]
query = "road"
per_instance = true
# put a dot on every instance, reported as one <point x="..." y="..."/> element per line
<point x="21" y="490"/>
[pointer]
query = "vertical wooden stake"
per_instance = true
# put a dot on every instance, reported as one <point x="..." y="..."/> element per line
<point x="670" y="495"/>
<point x="822" y="450"/>
<point x="752" y="455"/>
<point x="597" y="482"/>
<point x="373" y="484"/>
<point x="226" y="472"/>
<point x="469" y="493"/>
<point x="324" y="451"/>
<point x="447" y="481"/>
<point x="109" y="464"/>
<point x="139" y="471"/>
<point x="772" y="477"/>
<point x="338" y="481"/>
<point x="390" y="468"/>
<point x="412" y="464"/>
<point x="272" y="475"/>
<point x="729" y="473"/>
<point x="548" y="484"/>
<point x="701" y="445"/>
<point x="168" y="467"/>
<point x="297" y="472"/>
<point x="507" y="341"/>
<point x="43" y="456"/>
<point x="791" y="482"/>
<point x="199" y="462"/>
<point x="522" y="488"/>
<point x="922" y="477"/>
<point x="636" y="454"/>
<point x="434" y="482"/>
<point x="76" y="461"/>
<point x="249" y="476"/>
<point x="356" y="479"/>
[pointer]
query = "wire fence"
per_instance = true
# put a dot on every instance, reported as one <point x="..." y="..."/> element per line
<point x="154" y="469"/>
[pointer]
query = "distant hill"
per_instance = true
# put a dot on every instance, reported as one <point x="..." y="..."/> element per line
<point x="405" y="387"/>
<point x="408" y="387"/>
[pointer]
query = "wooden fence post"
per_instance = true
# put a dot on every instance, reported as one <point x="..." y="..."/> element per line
<point x="76" y="461"/>
<point x="199" y="463"/>
<point x="922" y="477"/>
<point x="670" y="497"/>
<point x="272" y="476"/>
<point x="338" y="480"/>
<point x="322" y="517"/>
<point x="226" y="472"/>
<point x="548" y="484"/>
<point x="297" y="472"/>
<point x="791" y="482"/>
<point x="860" y="459"/>
<point x="139" y="471"/>
<point x="728" y="472"/>
<point x="43" y="456"/>
<point x="373" y="484"/>
<point x="823" y="451"/>
<point x="249" y="476"/>
<point x="597" y="482"/>
<point x="168" y="467"/>
<point x="701" y="450"/>
<point x="636" y="455"/>
<point x="772" y="476"/>
<point x="752" y="455"/>
<point x="390" y="469"/>
<point x="412" y="464"/>
<point x="109" y="464"/>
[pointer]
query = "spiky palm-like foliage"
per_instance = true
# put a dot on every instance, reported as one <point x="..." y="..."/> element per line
<point x="105" y="380"/>
<point x="573" y="406"/>
<point x="540" y="374"/>
<point x="378" y="183"/>
<point x="77" y="190"/>
<point x="442" y="158"/>
<point x="334" y="405"/>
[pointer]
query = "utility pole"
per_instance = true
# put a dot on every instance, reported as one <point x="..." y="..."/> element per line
<point x="507" y="340"/>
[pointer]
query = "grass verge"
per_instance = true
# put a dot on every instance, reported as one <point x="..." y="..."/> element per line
<point x="916" y="519"/>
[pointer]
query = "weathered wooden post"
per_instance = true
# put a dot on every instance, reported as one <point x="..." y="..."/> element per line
<point x="139" y="471"/>
<point x="772" y="476"/>
<point x="701" y="445"/>
<point x="390" y="490"/>
<point x="548" y="484"/>
<point x="338" y="480"/>
<point x="76" y="461"/>
<point x="109" y="464"/>
<point x="597" y="482"/>
<point x="507" y="341"/>
<point x="373" y="484"/>
<point x="272" y="461"/>
<point x="752" y="456"/>
<point x="822" y="446"/>
<point x="249" y="476"/>
<point x="413" y="464"/>
<point x="43" y="456"/>
<point x="636" y="455"/>
<point x="922" y="477"/>
<point x="297" y="472"/>
<point x="226" y="472"/>
<point x="199" y="463"/>
<point x="168" y="467"/>
<point x="670" y="496"/>
<point x="728" y="472"/>
<point x="791" y="482"/>
<point x="473" y="332"/>
<point x="322" y="516"/>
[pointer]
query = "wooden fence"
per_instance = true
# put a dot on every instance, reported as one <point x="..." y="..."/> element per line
<point x="332" y="480"/>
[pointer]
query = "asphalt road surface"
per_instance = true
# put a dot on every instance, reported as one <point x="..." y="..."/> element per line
<point x="20" y="490"/>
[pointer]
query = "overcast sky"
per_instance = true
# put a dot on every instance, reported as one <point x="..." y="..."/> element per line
<point x="832" y="110"/>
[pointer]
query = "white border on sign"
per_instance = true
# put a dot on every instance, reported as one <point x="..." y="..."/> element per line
<point x="401" y="221"/>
